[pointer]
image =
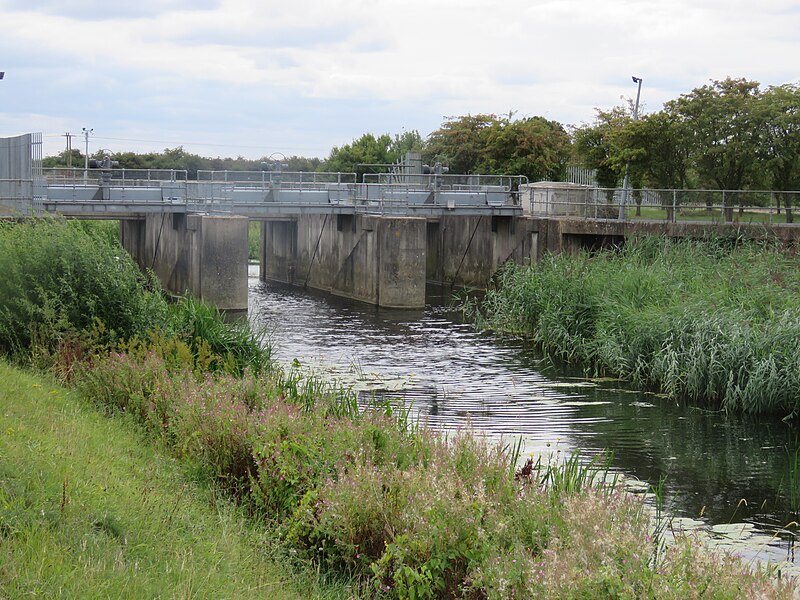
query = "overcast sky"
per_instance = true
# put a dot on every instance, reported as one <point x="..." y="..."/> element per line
<point x="249" y="78"/>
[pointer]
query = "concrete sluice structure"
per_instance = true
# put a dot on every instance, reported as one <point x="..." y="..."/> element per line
<point x="379" y="241"/>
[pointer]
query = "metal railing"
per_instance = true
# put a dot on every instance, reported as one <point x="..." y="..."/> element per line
<point x="671" y="205"/>
<point x="119" y="177"/>
<point x="289" y="179"/>
<point x="447" y="181"/>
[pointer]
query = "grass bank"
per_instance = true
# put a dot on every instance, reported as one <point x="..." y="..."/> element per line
<point x="716" y="323"/>
<point x="87" y="510"/>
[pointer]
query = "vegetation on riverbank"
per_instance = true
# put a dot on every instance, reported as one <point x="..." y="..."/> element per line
<point x="359" y="492"/>
<point x="69" y="287"/>
<point x="87" y="510"/>
<point x="714" y="322"/>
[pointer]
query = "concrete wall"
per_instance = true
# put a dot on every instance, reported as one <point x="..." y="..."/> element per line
<point x="203" y="255"/>
<point x="572" y="235"/>
<point x="375" y="259"/>
<point x="466" y="251"/>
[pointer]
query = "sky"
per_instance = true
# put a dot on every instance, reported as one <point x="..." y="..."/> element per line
<point x="252" y="78"/>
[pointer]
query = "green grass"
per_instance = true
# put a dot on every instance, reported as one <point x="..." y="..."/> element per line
<point x="253" y="239"/>
<point x="88" y="509"/>
<point x="760" y="216"/>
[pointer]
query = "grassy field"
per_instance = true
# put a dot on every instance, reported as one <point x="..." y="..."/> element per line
<point x="715" y="215"/>
<point x="89" y="509"/>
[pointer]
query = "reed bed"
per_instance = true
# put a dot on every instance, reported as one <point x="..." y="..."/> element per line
<point x="714" y="322"/>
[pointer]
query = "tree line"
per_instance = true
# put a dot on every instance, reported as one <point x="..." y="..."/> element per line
<point x="728" y="134"/>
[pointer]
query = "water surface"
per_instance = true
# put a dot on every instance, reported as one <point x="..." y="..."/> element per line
<point x="719" y="468"/>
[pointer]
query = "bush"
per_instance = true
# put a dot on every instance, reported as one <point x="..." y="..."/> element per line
<point x="406" y="512"/>
<point x="61" y="279"/>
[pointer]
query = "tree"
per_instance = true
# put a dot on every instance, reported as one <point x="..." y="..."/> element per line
<point x="62" y="159"/>
<point x="486" y="143"/>
<point x="778" y="112"/>
<point x="724" y="132"/>
<point x="657" y="147"/>
<point x="460" y="143"/>
<point x="370" y="150"/>
<point x="534" y="147"/>
<point x="599" y="146"/>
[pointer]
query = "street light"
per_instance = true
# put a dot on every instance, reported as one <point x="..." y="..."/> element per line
<point x="86" y="133"/>
<point x="636" y="80"/>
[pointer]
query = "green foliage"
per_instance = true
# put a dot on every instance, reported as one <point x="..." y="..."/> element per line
<point x="253" y="240"/>
<point x="234" y="344"/>
<point x="712" y="322"/>
<point x="70" y="285"/>
<point x="599" y="147"/>
<point x="408" y="513"/>
<point x="363" y="154"/>
<point x="62" y="278"/>
<point x="181" y="160"/>
<point x="721" y="119"/>
<point x="460" y="143"/>
<point x="87" y="510"/>
<point x="534" y="146"/>
<point x="778" y="113"/>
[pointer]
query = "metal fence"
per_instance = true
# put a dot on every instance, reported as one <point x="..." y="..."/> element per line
<point x="716" y="206"/>
<point x="118" y="177"/>
<point x="287" y="179"/>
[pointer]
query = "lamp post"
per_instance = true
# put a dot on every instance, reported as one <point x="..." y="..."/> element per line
<point x="637" y="80"/>
<point x="86" y="133"/>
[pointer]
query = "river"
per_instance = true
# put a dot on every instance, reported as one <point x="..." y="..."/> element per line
<point x="720" y="469"/>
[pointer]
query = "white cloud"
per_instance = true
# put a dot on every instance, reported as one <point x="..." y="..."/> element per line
<point x="326" y="72"/>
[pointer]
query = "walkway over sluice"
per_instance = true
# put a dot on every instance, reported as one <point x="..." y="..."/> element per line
<point x="265" y="195"/>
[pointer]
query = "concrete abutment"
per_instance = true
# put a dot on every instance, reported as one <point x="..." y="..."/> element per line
<point x="203" y="255"/>
<point x="374" y="259"/>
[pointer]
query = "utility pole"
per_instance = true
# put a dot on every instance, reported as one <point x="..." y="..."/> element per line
<point x="68" y="135"/>
<point x="86" y="133"/>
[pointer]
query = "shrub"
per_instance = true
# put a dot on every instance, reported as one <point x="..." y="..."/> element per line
<point x="60" y="279"/>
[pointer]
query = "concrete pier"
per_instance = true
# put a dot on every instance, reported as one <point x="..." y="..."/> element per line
<point x="465" y="251"/>
<point x="384" y="260"/>
<point x="375" y="259"/>
<point x="203" y="255"/>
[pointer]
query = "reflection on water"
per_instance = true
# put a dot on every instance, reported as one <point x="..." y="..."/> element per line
<point x="457" y="377"/>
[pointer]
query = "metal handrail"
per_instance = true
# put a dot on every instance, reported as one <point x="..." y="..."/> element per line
<point x="275" y="177"/>
<point x="446" y="180"/>
<point x="125" y="177"/>
<point x="671" y="205"/>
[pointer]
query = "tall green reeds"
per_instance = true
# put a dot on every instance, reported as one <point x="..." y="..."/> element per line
<point x="715" y="322"/>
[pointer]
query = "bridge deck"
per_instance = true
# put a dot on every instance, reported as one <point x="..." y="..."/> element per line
<point x="125" y="193"/>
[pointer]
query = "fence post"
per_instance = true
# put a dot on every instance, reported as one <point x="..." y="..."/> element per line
<point x="674" y="206"/>
<point x="724" y="208"/>
<point x="771" y="194"/>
